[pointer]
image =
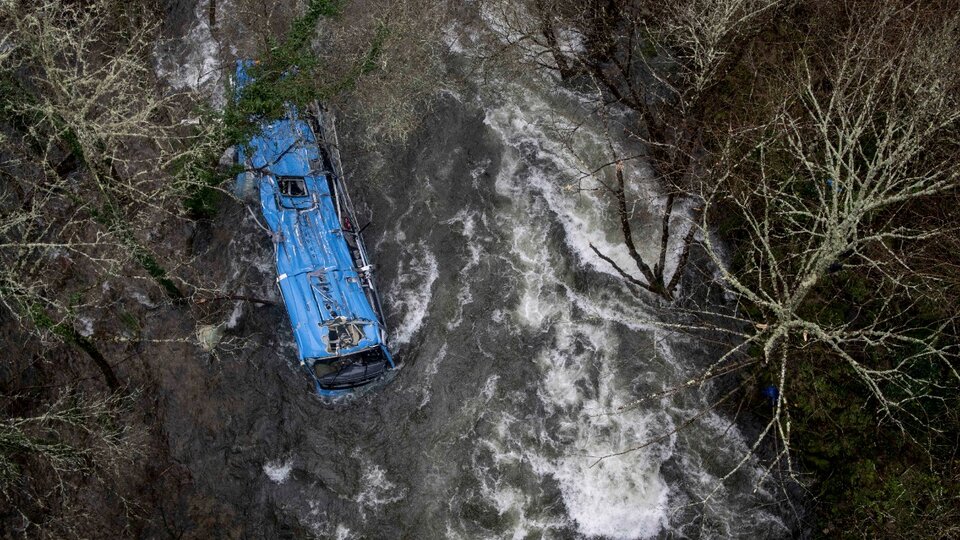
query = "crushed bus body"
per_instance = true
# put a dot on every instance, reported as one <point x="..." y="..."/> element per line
<point x="323" y="269"/>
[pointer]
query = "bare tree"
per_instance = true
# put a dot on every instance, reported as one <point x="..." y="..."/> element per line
<point x="73" y="434"/>
<point x="411" y="67"/>
<point x="866" y="131"/>
<point x="659" y="60"/>
<point x="861" y="133"/>
<point x="87" y="159"/>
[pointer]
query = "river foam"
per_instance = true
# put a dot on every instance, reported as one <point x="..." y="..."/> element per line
<point x="412" y="293"/>
<point x="278" y="471"/>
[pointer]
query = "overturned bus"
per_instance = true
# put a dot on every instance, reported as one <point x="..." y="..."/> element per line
<point x="323" y="270"/>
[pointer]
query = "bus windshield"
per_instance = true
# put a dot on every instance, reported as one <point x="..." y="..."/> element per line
<point x="350" y="370"/>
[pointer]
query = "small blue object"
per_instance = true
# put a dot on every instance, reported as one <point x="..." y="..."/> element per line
<point x="323" y="271"/>
<point x="835" y="187"/>
<point x="771" y="393"/>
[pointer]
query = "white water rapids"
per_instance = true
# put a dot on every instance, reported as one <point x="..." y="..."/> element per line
<point x="580" y="363"/>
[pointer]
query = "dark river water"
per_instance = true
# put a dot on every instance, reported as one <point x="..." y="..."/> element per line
<point x="513" y="339"/>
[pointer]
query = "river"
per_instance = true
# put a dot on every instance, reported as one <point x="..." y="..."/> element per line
<point x="514" y="341"/>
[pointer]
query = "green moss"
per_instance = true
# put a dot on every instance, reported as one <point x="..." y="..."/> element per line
<point x="42" y="320"/>
<point x="131" y="323"/>
<point x="157" y="272"/>
<point x="869" y="479"/>
<point x="202" y="198"/>
<point x="858" y="288"/>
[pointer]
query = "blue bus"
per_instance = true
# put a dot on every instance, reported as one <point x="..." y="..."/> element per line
<point x="323" y="269"/>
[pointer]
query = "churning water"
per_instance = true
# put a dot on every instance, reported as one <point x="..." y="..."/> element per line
<point x="515" y="342"/>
